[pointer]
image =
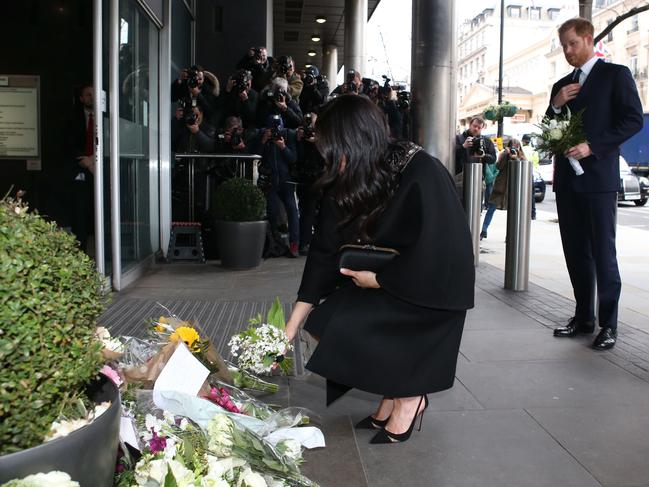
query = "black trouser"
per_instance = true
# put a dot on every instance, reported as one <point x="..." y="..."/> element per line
<point x="81" y="211"/>
<point x="587" y="225"/>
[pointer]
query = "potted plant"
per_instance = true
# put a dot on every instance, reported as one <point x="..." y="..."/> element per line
<point x="498" y="112"/>
<point x="50" y="299"/>
<point x="239" y="209"/>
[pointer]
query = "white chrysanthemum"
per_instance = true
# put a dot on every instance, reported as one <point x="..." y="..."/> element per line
<point x="556" y="134"/>
<point x="50" y="479"/>
<point x="59" y="429"/>
<point x="248" y="478"/>
<point x="219" y="430"/>
<point x="553" y="124"/>
<point x="291" y="448"/>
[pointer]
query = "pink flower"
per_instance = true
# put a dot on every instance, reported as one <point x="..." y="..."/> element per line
<point x="112" y="374"/>
<point x="157" y="443"/>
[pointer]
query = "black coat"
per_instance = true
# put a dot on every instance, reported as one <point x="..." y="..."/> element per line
<point x="402" y="339"/>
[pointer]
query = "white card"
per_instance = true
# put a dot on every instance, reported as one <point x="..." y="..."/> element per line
<point x="127" y="432"/>
<point x="182" y="373"/>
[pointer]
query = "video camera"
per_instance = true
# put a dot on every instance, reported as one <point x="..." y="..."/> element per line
<point x="309" y="129"/>
<point x="386" y="89"/>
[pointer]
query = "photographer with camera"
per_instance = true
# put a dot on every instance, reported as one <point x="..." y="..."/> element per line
<point x="234" y="138"/>
<point x="309" y="167"/>
<point x="261" y="67"/>
<point x="498" y="197"/>
<point x="353" y="84"/>
<point x="285" y="68"/>
<point x="277" y="146"/>
<point x="239" y="99"/>
<point x="471" y="146"/>
<point x="386" y="100"/>
<point x="315" y="91"/>
<point x="275" y="100"/>
<point x="190" y="132"/>
<point x="197" y="84"/>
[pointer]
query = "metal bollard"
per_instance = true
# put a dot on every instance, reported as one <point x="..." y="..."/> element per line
<point x="472" y="188"/>
<point x="517" y="252"/>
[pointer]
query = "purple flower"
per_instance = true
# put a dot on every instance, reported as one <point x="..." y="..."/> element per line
<point x="157" y="443"/>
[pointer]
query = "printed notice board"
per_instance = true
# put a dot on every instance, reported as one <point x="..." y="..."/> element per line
<point x="19" y="117"/>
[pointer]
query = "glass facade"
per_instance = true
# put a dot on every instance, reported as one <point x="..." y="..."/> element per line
<point x="138" y="134"/>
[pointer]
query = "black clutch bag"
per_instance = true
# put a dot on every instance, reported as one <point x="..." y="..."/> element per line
<point x="364" y="257"/>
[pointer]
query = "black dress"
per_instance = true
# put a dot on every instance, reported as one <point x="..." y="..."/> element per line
<point x="402" y="339"/>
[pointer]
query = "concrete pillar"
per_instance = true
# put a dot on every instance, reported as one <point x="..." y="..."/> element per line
<point x="434" y="78"/>
<point x="330" y="64"/>
<point x="269" y="27"/>
<point x="355" y="21"/>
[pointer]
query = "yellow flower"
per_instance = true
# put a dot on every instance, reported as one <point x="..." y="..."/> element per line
<point x="159" y="328"/>
<point x="187" y="334"/>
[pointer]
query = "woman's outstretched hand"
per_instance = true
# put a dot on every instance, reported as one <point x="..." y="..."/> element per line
<point x="298" y="316"/>
<point x="364" y="279"/>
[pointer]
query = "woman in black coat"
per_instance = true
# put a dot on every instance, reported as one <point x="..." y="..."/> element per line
<point x="396" y="332"/>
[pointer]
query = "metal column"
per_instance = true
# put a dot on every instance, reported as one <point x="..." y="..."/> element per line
<point x="330" y="64"/>
<point x="165" y="128"/>
<point x="97" y="83"/>
<point x="434" y="79"/>
<point x="355" y="20"/>
<point x="113" y="118"/>
<point x="473" y="202"/>
<point x="517" y="250"/>
<point x="269" y="26"/>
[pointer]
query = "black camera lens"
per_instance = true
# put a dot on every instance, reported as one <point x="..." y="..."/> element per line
<point x="191" y="118"/>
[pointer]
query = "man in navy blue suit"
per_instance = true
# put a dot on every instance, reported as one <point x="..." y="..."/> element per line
<point x="587" y="203"/>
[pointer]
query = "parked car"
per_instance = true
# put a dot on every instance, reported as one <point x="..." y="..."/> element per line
<point x="538" y="186"/>
<point x="546" y="168"/>
<point x="634" y="188"/>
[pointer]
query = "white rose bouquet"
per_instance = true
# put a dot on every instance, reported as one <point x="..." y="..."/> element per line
<point x="560" y="134"/>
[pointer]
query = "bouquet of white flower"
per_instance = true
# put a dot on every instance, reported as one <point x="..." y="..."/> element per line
<point x="264" y="344"/>
<point x="560" y="134"/>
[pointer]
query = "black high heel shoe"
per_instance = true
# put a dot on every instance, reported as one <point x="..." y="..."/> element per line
<point x="384" y="436"/>
<point x="371" y="423"/>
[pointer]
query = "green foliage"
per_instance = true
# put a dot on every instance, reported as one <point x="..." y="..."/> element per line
<point x="238" y="200"/>
<point x="560" y="133"/>
<point x="498" y="112"/>
<point x="50" y="299"/>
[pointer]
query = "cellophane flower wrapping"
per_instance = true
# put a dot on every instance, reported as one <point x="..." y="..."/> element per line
<point x="560" y="133"/>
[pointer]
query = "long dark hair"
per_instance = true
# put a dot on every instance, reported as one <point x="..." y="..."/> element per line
<point x="354" y="127"/>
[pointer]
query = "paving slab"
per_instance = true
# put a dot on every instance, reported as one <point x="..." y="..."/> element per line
<point x="587" y="382"/>
<point x="610" y="442"/>
<point x="474" y="449"/>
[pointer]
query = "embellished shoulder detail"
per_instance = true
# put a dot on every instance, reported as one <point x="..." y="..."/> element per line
<point x="400" y="155"/>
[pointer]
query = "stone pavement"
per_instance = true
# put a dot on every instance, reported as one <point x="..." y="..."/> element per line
<point x="527" y="409"/>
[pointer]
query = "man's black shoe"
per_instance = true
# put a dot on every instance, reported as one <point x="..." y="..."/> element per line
<point x="574" y="328"/>
<point x="605" y="339"/>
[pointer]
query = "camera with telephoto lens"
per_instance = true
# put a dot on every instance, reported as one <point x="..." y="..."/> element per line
<point x="477" y="146"/>
<point x="403" y="100"/>
<point x="192" y="77"/>
<point x="284" y="64"/>
<point x="191" y="118"/>
<point x="350" y="82"/>
<point x="276" y="128"/>
<point x="236" y="136"/>
<point x="512" y="151"/>
<point x="277" y="95"/>
<point x="241" y="81"/>
<point x="309" y="130"/>
<point x="188" y="104"/>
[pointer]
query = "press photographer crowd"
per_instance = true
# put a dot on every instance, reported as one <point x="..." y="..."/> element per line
<point x="267" y="107"/>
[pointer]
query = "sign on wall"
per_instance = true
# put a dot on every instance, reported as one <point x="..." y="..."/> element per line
<point x="19" y="117"/>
